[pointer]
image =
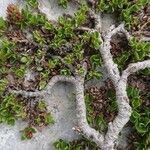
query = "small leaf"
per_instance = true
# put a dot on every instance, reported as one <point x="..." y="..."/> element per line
<point x="24" y="59"/>
<point x="140" y="127"/>
<point x="49" y="26"/>
<point x="42" y="105"/>
<point x="11" y="121"/>
<point x="136" y="102"/>
<point x="2" y="23"/>
<point x="42" y="84"/>
<point x="135" y="114"/>
<point x="49" y="119"/>
<point x="65" y="72"/>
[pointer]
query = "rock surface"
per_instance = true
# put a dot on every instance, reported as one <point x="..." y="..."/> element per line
<point x="62" y="106"/>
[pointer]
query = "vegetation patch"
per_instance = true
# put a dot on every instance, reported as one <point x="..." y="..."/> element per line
<point x="31" y="42"/>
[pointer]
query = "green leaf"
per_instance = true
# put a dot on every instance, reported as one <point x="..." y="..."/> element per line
<point x="27" y="133"/>
<point x="11" y="121"/>
<point x="23" y="137"/>
<point x="63" y="3"/>
<point x="20" y="72"/>
<point x="39" y="68"/>
<point x="140" y="127"/>
<point x="38" y="37"/>
<point x="32" y="3"/>
<point x="49" y="119"/>
<point x="24" y="59"/>
<point x="95" y="40"/>
<point x="42" y="84"/>
<point x="133" y="92"/>
<point x="95" y="60"/>
<point x="62" y="145"/>
<point x="80" y="69"/>
<point x="2" y="23"/>
<point x="65" y="72"/>
<point x="112" y="101"/>
<point x="136" y="102"/>
<point x="7" y="51"/>
<point x="69" y="59"/>
<point x="33" y="19"/>
<point x="42" y="105"/>
<point x="122" y="59"/>
<point x="3" y="85"/>
<point x="80" y="15"/>
<point x="94" y="74"/>
<point x="135" y="114"/>
<point x="49" y="26"/>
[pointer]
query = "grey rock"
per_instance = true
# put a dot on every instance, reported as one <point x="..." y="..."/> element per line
<point x="62" y="106"/>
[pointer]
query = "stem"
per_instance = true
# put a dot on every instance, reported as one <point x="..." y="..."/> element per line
<point x="86" y="130"/>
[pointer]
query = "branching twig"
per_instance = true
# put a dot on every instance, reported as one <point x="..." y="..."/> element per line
<point x="58" y="78"/>
<point x="47" y="90"/>
<point x="124" y="113"/>
<point x="134" y="67"/>
<point x="86" y="130"/>
<point x="111" y="67"/>
<point x="85" y="29"/>
<point x="27" y="93"/>
<point x="120" y="83"/>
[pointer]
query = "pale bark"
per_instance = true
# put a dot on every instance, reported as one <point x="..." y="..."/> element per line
<point x="48" y="88"/>
<point x="120" y="84"/>
<point x="86" y="130"/>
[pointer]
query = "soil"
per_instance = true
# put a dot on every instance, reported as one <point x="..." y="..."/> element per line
<point x="101" y="101"/>
<point x="142" y="28"/>
<point x="119" y="44"/>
